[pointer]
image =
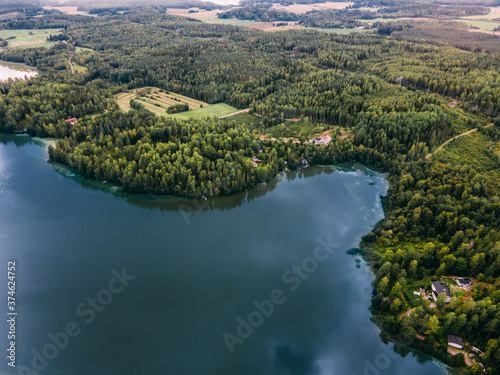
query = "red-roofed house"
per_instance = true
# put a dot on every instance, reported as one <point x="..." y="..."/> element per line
<point x="71" y="121"/>
<point x="255" y="160"/>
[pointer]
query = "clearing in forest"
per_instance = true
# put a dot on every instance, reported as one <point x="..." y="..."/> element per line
<point x="23" y="38"/>
<point x="476" y="150"/>
<point x="158" y="101"/>
<point x="304" y="8"/>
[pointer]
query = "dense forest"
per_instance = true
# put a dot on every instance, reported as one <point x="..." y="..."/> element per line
<point x="442" y="211"/>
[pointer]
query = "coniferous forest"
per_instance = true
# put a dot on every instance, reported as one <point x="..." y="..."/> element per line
<point x="387" y="99"/>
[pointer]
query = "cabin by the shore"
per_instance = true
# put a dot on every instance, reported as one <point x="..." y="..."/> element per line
<point x="455" y="341"/>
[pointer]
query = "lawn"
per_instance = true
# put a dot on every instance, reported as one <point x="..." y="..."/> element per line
<point x="28" y="38"/>
<point x="371" y="22"/>
<point x="234" y="22"/>
<point x="210" y="110"/>
<point x="338" y="31"/>
<point x="483" y="25"/>
<point x="157" y="101"/>
<point x="78" y="68"/>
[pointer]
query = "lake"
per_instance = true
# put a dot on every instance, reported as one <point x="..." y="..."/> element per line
<point x="14" y="70"/>
<point x="256" y="283"/>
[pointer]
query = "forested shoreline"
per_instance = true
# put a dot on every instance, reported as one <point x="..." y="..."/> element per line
<point x="442" y="213"/>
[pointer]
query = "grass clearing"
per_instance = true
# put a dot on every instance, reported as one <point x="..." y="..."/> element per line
<point x="157" y="101"/>
<point x="78" y="68"/>
<point x="67" y="10"/>
<point x="211" y="110"/>
<point x="371" y="22"/>
<point x="28" y="38"/>
<point x="303" y="8"/>
<point x="483" y="25"/>
<point x="338" y="31"/>
<point x="233" y="21"/>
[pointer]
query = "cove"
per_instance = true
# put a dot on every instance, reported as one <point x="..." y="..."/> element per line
<point x="116" y="284"/>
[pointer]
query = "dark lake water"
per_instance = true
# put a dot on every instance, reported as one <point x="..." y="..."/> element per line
<point x="257" y="283"/>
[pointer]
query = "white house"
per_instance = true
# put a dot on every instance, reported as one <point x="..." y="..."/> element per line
<point x="464" y="282"/>
<point x="455" y="341"/>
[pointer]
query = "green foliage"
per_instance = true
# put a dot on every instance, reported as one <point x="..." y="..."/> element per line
<point x="442" y="215"/>
<point x="176" y="108"/>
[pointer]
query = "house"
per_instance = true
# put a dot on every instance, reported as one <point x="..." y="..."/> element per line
<point x="318" y="141"/>
<point x="455" y="341"/>
<point x="439" y="288"/>
<point x="464" y="282"/>
<point x="255" y="160"/>
<point x="72" y="121"/>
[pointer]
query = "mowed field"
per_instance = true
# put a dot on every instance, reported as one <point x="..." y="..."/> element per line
<point x="67" y="10"/>
<point x="211" y="16"/>
<point x="157" y="101"/>
<point x="483" y="25"/>
<point x="28" y="38"/>
<point x="304" y="8"/>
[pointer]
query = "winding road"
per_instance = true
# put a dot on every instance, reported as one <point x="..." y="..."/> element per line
<point x="71" y="66"/>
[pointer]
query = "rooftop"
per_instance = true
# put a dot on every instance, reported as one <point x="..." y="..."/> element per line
<point x="452" y="339"/>
<point x="441" y="288"/>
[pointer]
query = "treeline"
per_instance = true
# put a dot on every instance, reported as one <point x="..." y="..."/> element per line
<point x="47" y="22"/>
<point x="334" y="19"/>
<point x="390" y="3"/>
<point x="430" y="10"/>
<point x="453" y="33"/>
<point x="259" y="13"/>
<point x="352" y="17"/>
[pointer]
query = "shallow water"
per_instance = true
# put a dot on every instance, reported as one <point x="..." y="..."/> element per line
<point x="13" y="71"/>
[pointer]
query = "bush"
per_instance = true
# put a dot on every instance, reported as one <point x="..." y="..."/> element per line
<point x="176" y="108"/>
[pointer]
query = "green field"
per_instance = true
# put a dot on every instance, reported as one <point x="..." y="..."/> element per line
<point x="78" y="68"/>
<point x="371" y="22"/>
<point x="490" y="16"/>
<point x="234" y="22"/>
<point x="28" y="38"/>
<point x="483" y="25"/>
<point x="157" y="101"/>
<point x="338" y="31"/>
<point x="211" y="110"/>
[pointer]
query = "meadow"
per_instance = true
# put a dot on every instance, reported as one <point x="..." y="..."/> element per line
<point x="28" y="38"/>
<point x="157" y="101"/>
